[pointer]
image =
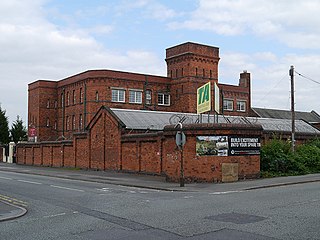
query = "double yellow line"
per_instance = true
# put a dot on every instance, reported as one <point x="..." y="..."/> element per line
<point x="13" y="201"/>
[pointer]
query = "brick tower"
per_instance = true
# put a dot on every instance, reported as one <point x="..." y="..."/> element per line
<point x="190" y="65"/>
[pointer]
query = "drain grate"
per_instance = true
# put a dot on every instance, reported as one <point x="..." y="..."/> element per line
<point x="237" y="218"/>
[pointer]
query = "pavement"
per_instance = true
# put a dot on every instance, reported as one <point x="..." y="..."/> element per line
<point x="11" y="210"/>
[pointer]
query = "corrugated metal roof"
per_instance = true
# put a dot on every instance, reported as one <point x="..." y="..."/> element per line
<point x="156" y="120"/>
<point x="311" y="117"/>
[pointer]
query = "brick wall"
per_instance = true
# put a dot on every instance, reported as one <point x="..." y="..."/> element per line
<point x="106" y="146"/>
<point x="207" y="168"/>
<point x="142" y="153"/>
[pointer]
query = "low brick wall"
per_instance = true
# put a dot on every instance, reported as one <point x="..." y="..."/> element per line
<point x="151" y="153"/>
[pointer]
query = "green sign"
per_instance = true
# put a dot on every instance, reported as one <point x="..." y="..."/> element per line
<point x="204" y="98"/>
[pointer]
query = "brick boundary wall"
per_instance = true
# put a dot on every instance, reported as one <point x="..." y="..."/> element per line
<point x="149" y="153"/>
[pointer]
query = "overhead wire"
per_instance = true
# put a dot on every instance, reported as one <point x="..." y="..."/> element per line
<point x="310" y="79"/>
<point x="272" y="88"/>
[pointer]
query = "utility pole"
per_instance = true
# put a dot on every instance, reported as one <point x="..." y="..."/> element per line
<point x="291" y="73"/>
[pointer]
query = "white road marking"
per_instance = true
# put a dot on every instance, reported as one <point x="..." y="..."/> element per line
<point x="186" y="197"/>
<point x="25" y="181"/>
<point x="227" y="192"/>
<point x="66" y="188"/>
<point x="54" y="215"/>
<point x="103" y="189"/>
<point x="6" y="178"/>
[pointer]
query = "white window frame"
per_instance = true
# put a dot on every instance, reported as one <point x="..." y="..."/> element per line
<point x="117" y="95"/>
<point x="162" y="99"/>
<point x="136" y="97"/>
<point x="241" y="105"/>
<point x="226" y="107"/>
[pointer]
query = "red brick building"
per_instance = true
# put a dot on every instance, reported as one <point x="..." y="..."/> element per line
<point x="57" y="109"/>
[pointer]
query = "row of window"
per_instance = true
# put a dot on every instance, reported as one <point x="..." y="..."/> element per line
<point x="70" y="123"/>
<point x="180" y="73"/>
<point x="118" y="95"/>
<point x="228" y="105"/>
<point x="135" y="96"/>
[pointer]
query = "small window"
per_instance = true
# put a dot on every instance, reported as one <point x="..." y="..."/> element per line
<point x="228" y="104"/>
<point x="81" y="95"/>
<point x="97" y="96"/>
<point x="135" y="96"/>
<point x="48" y="103"/>
<point x="55" y="104"/>
<point x="118" y="95"/>
<point x="55" y="125"/>
<point x="148" y="97"/>
<point x="74" y="97"/>
<point x="80" y="122"/>
<point x="241" y="106"/>
<point x="48" y="122"/>
<point x="164" y="99"/>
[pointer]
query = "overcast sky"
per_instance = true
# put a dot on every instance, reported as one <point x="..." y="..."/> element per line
<point x="54" y="39"/>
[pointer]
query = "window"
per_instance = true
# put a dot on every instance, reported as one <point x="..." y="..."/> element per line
<point x="80" y="122"/>
<point x="148" y="97"/>
<point x="135" y="96"/>
<point x="55" y="104"/>
<point x="48" y="103"/>
<point x="241" y="106"/>
<point x="117" y="95"/>
<point x="97" y="96"/>
<point x="81" y="95"/>
<point x="228" y="104"/>
<point x="55" y="125"/>
<point x="48" y="122"/>
<point x="74" y="97"/>
<point x="62" y="100"/>
<point x="164" y="99"/>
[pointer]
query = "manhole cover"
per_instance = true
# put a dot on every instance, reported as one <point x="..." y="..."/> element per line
<point x="237" y="218"/>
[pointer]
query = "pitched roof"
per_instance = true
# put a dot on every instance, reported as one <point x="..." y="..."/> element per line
<point x="310" y="117"/>
<point x="156" y="120"/>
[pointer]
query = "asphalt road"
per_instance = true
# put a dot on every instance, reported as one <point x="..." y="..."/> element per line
<point x="72" y="209"/>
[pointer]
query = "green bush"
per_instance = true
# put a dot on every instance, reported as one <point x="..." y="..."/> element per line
<point x="278" y="159"/>
<point x="309" y="156"/>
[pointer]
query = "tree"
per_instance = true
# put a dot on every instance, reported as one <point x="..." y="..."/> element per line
<point x="18" y="131"/>
<point x="4" y="127"/>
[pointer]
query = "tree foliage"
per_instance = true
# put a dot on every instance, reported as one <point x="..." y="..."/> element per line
<point x="4" y="127"/>
<point x="18" y="131"/>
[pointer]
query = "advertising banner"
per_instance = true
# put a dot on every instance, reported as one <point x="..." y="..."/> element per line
<point x="227" y="145"/>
